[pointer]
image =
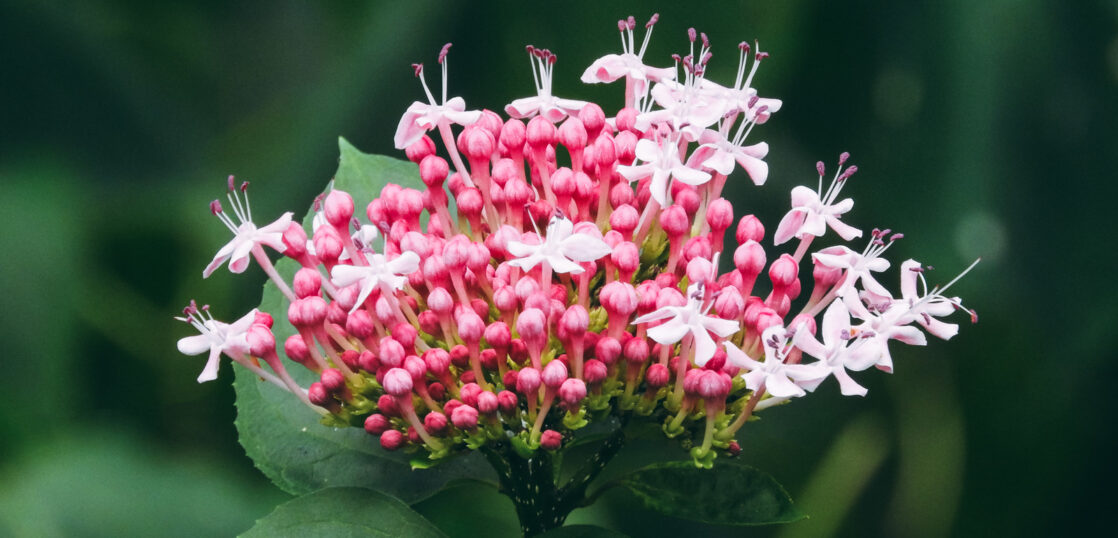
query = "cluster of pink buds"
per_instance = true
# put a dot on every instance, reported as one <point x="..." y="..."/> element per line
<point x="577" y="275"/>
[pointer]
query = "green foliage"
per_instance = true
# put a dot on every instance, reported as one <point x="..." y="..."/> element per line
<point x="342" y="512"/>
<point x="285" y="439"/>
<point x="728" y="494"/>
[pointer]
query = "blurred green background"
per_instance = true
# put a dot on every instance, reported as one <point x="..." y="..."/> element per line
<point x="980" y="128"/>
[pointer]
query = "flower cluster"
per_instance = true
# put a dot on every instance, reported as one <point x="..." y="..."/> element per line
<point x="577" y="275"/>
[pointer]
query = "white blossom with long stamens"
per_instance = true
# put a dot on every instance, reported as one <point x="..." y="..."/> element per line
<point x="858" y="266"/>
<point x="216" y="338"/>
<point x="543" y="103"/>
<point x="630" y="63"/>
<point x="690" y="319"/>
<point x="777" y="377"/>
<point x="813" y="211"/>
<point x="562" y="250"/>
<point x="422" y="117"/>
<point x="246" y="236"/>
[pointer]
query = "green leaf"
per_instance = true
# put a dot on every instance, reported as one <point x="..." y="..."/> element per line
<point x="728" y="494"/>
<point x="582" y="531"/>
<point x="468" y="508"/>
<point x="285" y="439"/>
<point x="342" y="512"/>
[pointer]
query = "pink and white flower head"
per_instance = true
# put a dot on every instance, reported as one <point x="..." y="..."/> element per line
<point x="690" y="319"/>
<point x="630" y="63"/>
<point x="246" y="236"/>
<point x="471" y="327"/>
<point x="562" y="249"/>
<point x="216" y="338"/>
<point x="774" y="375"/>
<point x="422" y="117"/>
<point x="813" y="211"/>
<point x="543" y="103"/>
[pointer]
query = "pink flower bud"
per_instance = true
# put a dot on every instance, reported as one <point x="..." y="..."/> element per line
<point x="420" y="149"/>
<point x="392" y="440"/>
<point x="513" y="135"/>
<point x="429" y="322"/>
<point x="712" y="385"/>
<point x="487" y="403"/>
<point x="332" y="380"/>
<point x="749" y="258"/>
<point x="460" y="357"/>
<point x="263" y="318"/>
<point x="391" y="353"/>
<point x="624" y="219"/>
<point x="464" y="417"/>
<point x="433" y="171"/>
<point x="729" y="304"/>
<point x="470" y="327"/>
<point x="551" y="440"/>
<point x="607" y="349"/>
<point x="437" y="361"/>
<point x="691" y="380"/>
<point x="783" y="271"/>
<point x="476" y="143"/>
<point x="327" y="245"/>
<point x="377" y="424"/>
<point x="626" y="119"/>
<point x="592" y="118"/>
<point x="498" y="335"/>
<point x="626" y="256"/>
<point x="697" y="247"/>
<point x="440" y="301"/>
<point x="720" y="215"/>
<point x="295" y="239"/>
<point x="576" y="320"/>
<point x="674" y="221"/>
<point x="468" y="393"/>
<point x="563" y="183"/>
<point x="470" y="201"/>
<point x="338" y="209"/>
<point x="409" y="204"/>
<point x="594" y="371"/>
<point x="626" y="145"/>
<point x="750" y="229"/>
<point x="687" y="198"/>
<point x="825" y="276"/>
<point x="435" y="422"/>
<point x="621" y="194"/>
<point x="368" y="361"/>
<point x="572" y="134"/>
<point x="386" y="404"/>
<point x="636" y="350"/>
<point x="803" y="322"/>
<point x="619" y="298"/>
<point x="528" y="381"/>
<point x="307" y="282"/>
<point x="647" y="293"/>
<point x="540" y="133"/>
<point x="700" y="270"/>
<point x="296" y="348"/>
<point x="532" y="324"/>
<point x="507" y="401"/>
<point x="318" y="395"/>
<point x="312" y="310"/>
<point x="657" y="375"/>
<point x="766" y="318"/>
<point x="554" y="373"/>
<point x="261" y="341"/>
<point x="397" y="382"/>
<point x="572" y="391"/>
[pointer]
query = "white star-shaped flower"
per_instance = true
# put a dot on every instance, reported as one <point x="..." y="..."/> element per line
<point x="216" y="338"/>
<point x="562" y="250"/>
<point x="689" y="319"/>
<point x="388" y="275"/>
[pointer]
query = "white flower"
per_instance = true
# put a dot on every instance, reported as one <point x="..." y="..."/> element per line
<point x="839" y="351"/>
<point x="689" y="319"/>
<point x="246" y="236"/>
<point x="422" y="117"/>
<point x="562" y="250"/>
<point x="388" y="275"/>
<point x="777" y="377"/>
<point x="661" y="164"/>
<point x="629" y="63"/>
<point x="812" y="212"/>
<point x="550" y="107"/>
<point x="857" y="267"/>
<point x="216" y="338"/>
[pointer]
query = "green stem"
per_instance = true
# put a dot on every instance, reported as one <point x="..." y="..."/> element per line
<point x="531" y="483"/>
